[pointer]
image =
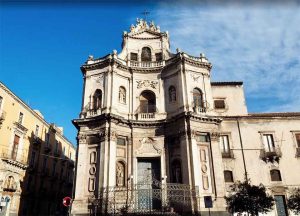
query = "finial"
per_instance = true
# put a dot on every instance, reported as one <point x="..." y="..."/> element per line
<point x="115" y="52"/>
<point x="91" y="58"/>
<point x="178" y="50"/>
<point x="202" y="55"/>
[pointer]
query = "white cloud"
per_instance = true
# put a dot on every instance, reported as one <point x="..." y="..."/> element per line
<point x="259" y="45"/>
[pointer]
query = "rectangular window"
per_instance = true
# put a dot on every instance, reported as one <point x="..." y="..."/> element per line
<point x="224" y="144"/>
<point x="268" y="142"/>
<point x="36" y="133"/>
<point x="219" y="104"/>
<point x="121" y="141"/>
<point x="20" y="120"/>
<point x="15" y="147"/>
<point x="158" y="56"/>
<point x="133" y="56"/>
<point x="297" y="135"/>
<point x="70" y="155"/>
<point x="64" y="151"/>
<point x="202" y="138"/>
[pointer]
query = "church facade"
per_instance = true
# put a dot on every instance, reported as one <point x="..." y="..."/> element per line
<point x="155" y="134"/>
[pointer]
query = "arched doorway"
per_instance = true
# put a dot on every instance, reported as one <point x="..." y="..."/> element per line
<point x="147" y="102"/>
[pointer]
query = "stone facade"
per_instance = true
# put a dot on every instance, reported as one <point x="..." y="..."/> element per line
<point x="148" y="113"/>
<point x="36" y="160"/>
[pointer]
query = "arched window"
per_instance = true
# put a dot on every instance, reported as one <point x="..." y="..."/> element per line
<point x="120" y="174"/>
<point x="97" y="99"/>
<point x="275" y="175"/>
<point x="146" y="54"/>
<point x="172" y="94"/>
<point x="176" y="171"/>
<point x="198" y="100"/>
<point x="122" y="95"/>
<point x="147" y="102"/>
<point x="228" y="176"/>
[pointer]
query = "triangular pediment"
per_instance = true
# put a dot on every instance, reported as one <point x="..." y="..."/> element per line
<point x="145" y="34"/>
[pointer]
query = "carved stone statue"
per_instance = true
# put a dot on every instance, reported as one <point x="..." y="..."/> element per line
<point x="120" y="177"/>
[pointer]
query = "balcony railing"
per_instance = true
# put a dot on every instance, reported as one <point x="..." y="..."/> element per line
<point x="199" y="109"/>
<point x="146" y="64"/>
<point x="89" y="111"/>
<point x="227" y="154"/>
<point x="20" y="156"/>
<point x="270" y="155"/>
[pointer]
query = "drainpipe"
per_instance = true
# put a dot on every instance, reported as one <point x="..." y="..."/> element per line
<point x="242" y="148"/>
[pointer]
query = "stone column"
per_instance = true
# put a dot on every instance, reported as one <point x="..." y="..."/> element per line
<point x="80" y="203"/>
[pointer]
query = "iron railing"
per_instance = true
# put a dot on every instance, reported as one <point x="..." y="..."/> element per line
<point x="145" y="199"/>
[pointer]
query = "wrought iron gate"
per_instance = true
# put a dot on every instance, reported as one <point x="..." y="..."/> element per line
<point x="145" y="199"/>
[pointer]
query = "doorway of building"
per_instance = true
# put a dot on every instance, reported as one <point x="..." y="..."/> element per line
<point x="280" y="205"/>
<point x="149" y="184"/>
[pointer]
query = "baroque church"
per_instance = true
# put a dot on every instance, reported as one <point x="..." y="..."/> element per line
<point x="155" y="134"/>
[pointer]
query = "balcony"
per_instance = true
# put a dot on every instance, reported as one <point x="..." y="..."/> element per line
<point x="298" y="152"/>
<point x="21" y="127"/>
<point x="145" y="64"/>
<point x="88" y="111"/>
<point x="228" y="154"/>
<point x="270" y="156"/>
<point x="199" y="109"/>
<point x="19" y="159"/>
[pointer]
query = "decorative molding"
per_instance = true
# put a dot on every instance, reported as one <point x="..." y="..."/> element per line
<point x="214" y="136"/>
<point x="195" y="77"/>
<point x="147" y="83"/>
<point x="149" y="146"/>
<point x="81" y="138"/>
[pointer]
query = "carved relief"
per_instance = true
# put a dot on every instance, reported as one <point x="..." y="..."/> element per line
<point x="204" y="168"/>
<point x="81" y="138"/>
<point x="215" y="136"/>
<point x="147" y="83"/>
<point x="10" y="184"/>
<point x="195" y="77"/>
<point x="99" y="79"/>
<point x="120" y="174"/>
<point x="92" y="170"/>
<point x="143" y="24"/>
<point x="149" y="146"/>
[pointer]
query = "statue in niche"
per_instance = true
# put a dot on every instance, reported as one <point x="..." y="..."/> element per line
<point x="176" y="172"/>
<point x="120" y="174"/>
<point x="172" y="94"/>
<point x="10" y="183"/>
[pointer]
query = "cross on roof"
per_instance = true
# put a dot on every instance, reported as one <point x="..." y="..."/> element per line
<point x="145" y="13"/>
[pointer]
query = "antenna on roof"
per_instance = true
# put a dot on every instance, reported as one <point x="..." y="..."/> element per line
<point x="145" y="13"/>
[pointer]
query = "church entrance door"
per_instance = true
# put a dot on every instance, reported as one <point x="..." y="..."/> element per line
<point x="149" y="185"/>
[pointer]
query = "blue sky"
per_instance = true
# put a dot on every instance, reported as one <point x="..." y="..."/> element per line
<point x="42" y="46"/>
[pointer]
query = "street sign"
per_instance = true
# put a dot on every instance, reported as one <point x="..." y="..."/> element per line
<point x="208" y="202"/>
<point x="67" y="201"/>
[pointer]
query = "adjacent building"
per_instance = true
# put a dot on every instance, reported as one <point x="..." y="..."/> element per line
<point x="155" y="134"/>
<point x="36" y="160"/>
